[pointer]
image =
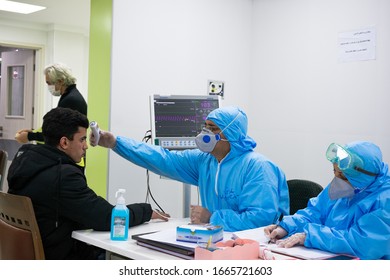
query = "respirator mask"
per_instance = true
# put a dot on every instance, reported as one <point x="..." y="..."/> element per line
<point x="340" y="188"/>
<point x="53" y="91"/>
<point x="206" y="139"/>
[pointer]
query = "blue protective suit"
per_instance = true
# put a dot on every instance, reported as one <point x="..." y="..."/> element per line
<point x="245" y="190"/>
<point x="359" y="226"/>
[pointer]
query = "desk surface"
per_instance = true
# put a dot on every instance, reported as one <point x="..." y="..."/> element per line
<point x="129" y="248"/>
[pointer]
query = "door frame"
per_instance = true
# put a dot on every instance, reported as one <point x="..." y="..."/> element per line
<point x="40" y="103"/>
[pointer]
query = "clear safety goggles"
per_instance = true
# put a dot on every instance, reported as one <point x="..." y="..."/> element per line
<point x="348" y="162"/>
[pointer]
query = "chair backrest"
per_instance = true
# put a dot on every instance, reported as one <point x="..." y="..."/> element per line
<point x="300" y="192"/>
<point x="20" y="238"/>
<point x="3" y="166"/>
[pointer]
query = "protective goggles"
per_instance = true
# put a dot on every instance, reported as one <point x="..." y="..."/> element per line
<point x="348" y="162"/>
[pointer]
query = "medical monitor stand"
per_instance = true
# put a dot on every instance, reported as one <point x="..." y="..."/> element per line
<point x="186" y="200"/>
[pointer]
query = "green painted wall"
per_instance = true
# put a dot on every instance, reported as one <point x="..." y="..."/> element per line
<point x="99" y="83"/>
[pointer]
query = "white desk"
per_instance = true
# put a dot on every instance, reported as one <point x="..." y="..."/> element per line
<point x="129" y="248"/>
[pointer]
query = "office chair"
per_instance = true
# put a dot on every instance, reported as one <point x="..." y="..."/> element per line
<point x="300" y="192"/>
<point x="20" y="238"/>
<point x="3" y="167"/>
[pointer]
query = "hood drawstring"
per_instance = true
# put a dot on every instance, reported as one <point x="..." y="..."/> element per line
<point x="58" y="191"/>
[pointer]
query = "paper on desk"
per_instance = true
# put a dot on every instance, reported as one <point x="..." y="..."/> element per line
<point x="301" y="252"/>
<point x="168" y="236"/>
<point x="296" y="251"/>
<point x="256" y="234"/>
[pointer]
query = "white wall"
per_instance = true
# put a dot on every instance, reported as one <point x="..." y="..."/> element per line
<point x="72" y="48"/>
<point x="53" y="44"/>
<point x="172" y="47"/>
<point x="279" y="59"/>
<point x="303" y="98"/>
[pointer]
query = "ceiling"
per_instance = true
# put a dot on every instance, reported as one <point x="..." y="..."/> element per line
<point x="72" y="14"/>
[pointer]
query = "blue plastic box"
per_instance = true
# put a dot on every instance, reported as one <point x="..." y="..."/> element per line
<point x="199" y="233"/>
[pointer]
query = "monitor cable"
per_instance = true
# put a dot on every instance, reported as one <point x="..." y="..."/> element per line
<point x="145" y="139"/>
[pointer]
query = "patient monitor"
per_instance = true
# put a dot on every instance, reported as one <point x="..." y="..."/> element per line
<point x="177" y="119"/>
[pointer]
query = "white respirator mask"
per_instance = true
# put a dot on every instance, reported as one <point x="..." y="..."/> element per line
<point x="53" y="91"/>
<point x="206" y="139"/>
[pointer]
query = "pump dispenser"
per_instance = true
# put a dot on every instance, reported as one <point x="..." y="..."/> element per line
<point x="120" y="218"/>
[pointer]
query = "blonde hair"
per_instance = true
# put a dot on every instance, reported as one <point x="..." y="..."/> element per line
<point x="59" y="71"/>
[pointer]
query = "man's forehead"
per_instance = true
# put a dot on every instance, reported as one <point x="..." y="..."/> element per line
<point x="81" y="130"/>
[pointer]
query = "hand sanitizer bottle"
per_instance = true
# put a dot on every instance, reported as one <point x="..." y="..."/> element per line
<point x="120" y="218"/>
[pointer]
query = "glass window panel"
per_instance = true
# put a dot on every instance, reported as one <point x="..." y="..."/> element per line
<point x="15" y="91"/>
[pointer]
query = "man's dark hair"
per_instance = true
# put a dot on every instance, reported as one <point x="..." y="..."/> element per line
<point x="60" y="122"/>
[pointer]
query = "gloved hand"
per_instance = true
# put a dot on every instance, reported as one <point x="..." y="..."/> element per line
<point x="295" y="239"/>
<point x="199" y="215"/>
<point x="274" y="232"/>
<point x="107" y="139"/>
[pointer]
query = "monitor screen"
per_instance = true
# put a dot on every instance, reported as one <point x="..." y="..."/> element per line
<point x="177" y="119"/>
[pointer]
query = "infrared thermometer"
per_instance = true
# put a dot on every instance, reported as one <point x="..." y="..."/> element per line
<point x="96" y="131"/>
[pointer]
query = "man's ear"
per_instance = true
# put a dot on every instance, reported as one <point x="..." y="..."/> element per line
<point x="64" y="142"/>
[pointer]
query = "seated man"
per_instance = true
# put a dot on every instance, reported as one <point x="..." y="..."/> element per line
<point x="239" y="188"/>
<point x="62" y="200"/>
<point x="352" y="214"/>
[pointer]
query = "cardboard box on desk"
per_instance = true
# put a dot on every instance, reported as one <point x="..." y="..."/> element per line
<point x="240" y="249"/>
<point x="199" y="233"/>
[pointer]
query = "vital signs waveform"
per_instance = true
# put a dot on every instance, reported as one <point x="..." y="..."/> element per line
<point x="173" y="118"/>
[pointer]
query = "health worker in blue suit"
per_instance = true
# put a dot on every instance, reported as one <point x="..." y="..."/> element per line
<point x="239" y="188"/>
<point x="352" y="214"/>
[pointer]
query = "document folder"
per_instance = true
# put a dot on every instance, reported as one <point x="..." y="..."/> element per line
<point x="165" y="247"/>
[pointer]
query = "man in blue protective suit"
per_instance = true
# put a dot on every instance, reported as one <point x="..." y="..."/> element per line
<point x="239" y="188"/>
<point x="352" y="214"/>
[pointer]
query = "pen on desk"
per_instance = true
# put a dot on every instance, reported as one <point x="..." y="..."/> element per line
<point x="279" y="220"/>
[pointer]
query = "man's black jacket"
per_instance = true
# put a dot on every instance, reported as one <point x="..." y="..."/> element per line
<point x="62" y="200"/>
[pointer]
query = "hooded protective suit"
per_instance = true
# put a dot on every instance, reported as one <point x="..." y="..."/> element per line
<point x="359" y="225"/>
<point x="245" y="190"/>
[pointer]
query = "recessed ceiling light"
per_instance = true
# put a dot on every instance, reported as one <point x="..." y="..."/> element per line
<point x="17" y="7"/>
